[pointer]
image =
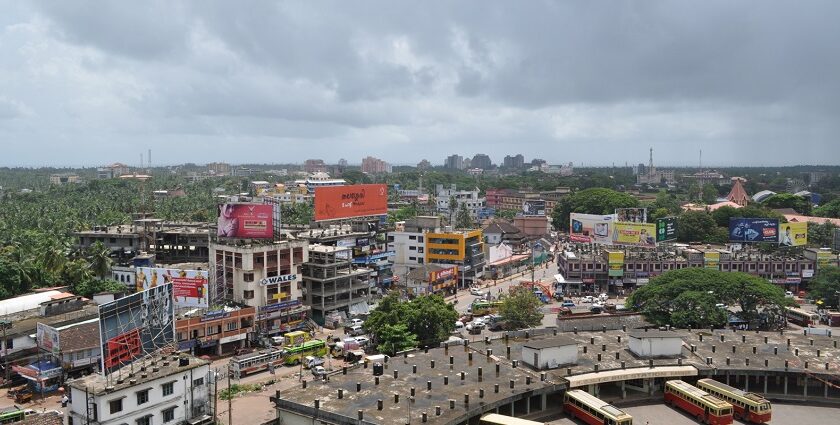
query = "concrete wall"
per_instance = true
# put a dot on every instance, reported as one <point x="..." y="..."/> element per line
<point x="655" y="347"/>
<point x="596" y="321"/>
<point x="548" y="358"/>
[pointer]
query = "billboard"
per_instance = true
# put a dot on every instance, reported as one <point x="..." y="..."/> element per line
<point x="360" y="200"/>
<point x="134" y="326"/>
<point x="252" y="221"/>
<point x="631" y="215"/>
<point x="711" y="260"/>
<point x="189" y="286"/>
<point x="615" y="259"/>
<point x="666" y="229"/>
<point x="591" y="228"/>
<point x="636" y="234"/>
<point x="793" y="234"/>
<point x="48" y="338"/>
<point x="533" y="207"/>
<point x="753" y="230"/>
<point x="445" y="274"/>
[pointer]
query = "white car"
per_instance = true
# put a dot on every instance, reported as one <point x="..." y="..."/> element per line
<point x="357" y="322"/>
<point x="587" y="299"/>
<point x="477" y="292"/>
<point x="362" y="340"/>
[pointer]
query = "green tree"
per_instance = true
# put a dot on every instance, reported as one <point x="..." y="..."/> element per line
<point x="825" y="286"/>
<point x="788" y="200"/>
<point x="431" y="318"/>
<point x="463" y="219"/>
<point x="100" y="260"/>
<point x="506" y="214"/>
<point x="821" y="234"/>
<point x="722" y="215"/>
<point x="695" y="226"/>
<point x="709" y="194"/>
<point x="88" y="288"/>
<point x="830" y="209"/>
<point x="666" y="201"/>
<point x="453" y="207"/>
<point x="297" y="213"/>
<point x="521" y="309"/>
<point x="590" y="201"/>
<point x="391" y="310"/>
<point x="402" y="214"/>
<point x="395" y="338"/>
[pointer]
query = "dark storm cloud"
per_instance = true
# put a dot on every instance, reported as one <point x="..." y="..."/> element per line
<point x="583" y="81"/>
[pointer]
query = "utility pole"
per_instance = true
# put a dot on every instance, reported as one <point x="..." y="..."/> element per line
<point x="5" y="324"/>
<point x="230" y="398"/>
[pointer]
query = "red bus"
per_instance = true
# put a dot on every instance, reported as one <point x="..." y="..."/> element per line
<point x="747" y="406"/>
<point x="592" y="410"/>
<point x="698" y="403"/>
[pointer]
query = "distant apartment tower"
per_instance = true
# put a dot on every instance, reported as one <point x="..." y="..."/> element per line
<point x="454" y="162"/>
<point x="424" y="165"/>
<point x="315" y="166"/>
<point x="112" y="171"/>
<point x="516" y="161"/>
<point x="218" y="168"/>
<point x="482" y="161"/>
<point x="373" y="165"/>
<point x="64" y="178"/>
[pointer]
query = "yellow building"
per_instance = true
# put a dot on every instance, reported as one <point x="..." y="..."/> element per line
<point x="462" y="248"/>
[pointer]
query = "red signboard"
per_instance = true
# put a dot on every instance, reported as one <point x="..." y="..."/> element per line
<point x="189" y="287"/>
<point x="361" y="200"/>
<point x="254" y="221"/>
<point x="443" y="274"/>
<point x="123" y="348"/>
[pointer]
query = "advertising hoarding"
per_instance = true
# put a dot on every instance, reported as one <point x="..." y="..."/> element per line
<point x="636" y="234"/>
<point x="48" y="338"/>
<point x="615" y="259"/>
<point x="666" y="229"/>
<point x="588" y="228"/>
<point x="631" y="215"/>
<point x="360" y="200"/>
<point x="444" y="274"/>
<point x="135" y="326"/>
<point x="793" y="234"/>
<point x="252" y="221"/>
<point x="753" y="230"/>
<point x="824" y="258"/>
<point x="711" y="260"/>
<point x="535" y="207"/>
<point x="189" y="286"/>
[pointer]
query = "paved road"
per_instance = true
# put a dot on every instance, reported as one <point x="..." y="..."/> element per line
<point x="659" y="414"/>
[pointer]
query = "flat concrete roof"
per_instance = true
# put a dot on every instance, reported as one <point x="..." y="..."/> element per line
<point x="557" y="341"/>
<point x="653" y="334"/>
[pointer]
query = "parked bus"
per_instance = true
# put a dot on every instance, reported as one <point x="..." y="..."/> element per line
<point x="13" y="414"/>
<point x="748" y="406"/>
<point x="592" y="410"/>
<point x="698" y="403"/>
<point x="802" y="318"/>
<point x="296" y="354"/>
<point x="247" y="364"/>
<point x="483" y="308"/>
<point x="497" y="419"/>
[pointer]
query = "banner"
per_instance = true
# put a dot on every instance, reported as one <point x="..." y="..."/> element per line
<point x="445" y="274"/>
<point x="588" y="228"/>
<point x="793" y="234"/>
<point x="824" y="258"/>
<point x="631" y="215"/>
<point x="636" y="234"/>
<point x="190" y="287"/>
<point x="533" y="207"/>
<point x="48" y="338"/>
<point x="666" y="229"/>
<point x="615" y="259"/>
<point x="753" y="230"/>
<point x="251" y="221"/>
<point x="361" y="200"/>
<point x="135" y="326"/>
<point x="711" y="260"/>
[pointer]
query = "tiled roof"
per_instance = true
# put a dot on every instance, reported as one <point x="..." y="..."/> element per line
<point x="81" y="337"/>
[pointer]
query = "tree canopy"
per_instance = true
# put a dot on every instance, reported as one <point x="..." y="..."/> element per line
<point x="590" y="201"/>
<point x="825" y="286"/>
<point x="429" y="319"/>
<point x="521" y="309"/>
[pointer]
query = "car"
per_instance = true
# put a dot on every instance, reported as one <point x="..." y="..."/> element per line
<point x="587" y="299"/>
<point x="459" y="325"/>
<point x="596" y="308"/>
<point x="465" y="318"/>
<point x="319" y="371"/>
<point x="476" y="325"/>
<point x="788" y="294"/>
<point x="355" y="330"/>
<point x="357" y="322"/>
<point x="362" y="340"/>
<point x="477" y="292"/>
<point x="567" y="304"/>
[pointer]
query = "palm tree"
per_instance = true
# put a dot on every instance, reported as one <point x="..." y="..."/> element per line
<point x="453" y="206"/>
<point x="99" y="257"/>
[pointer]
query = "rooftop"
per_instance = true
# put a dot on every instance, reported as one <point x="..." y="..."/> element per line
<point x="558" y="341"/>
<point x="134" y="375"/>
<point x="25" y="302"/>
<point x="653" y="334"/>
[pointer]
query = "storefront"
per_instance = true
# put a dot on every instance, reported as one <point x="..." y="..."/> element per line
<point x="282" y="317"/>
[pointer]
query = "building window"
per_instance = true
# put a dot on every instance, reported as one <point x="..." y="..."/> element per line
<point x="115" y="405"/>
<point x="412" y="238"/>
<point x="248" y="295"/>
<point x="142" y="397"/>
<point x="168" y="388"/>
<point x="231" y="326"/>
<point x="412" y="258"/>
<point x="168" y="415"/>
<point x="390" y="238"/>
<point x="145" y="420"/>
<point x="420" y="249"/>
<point x="198" y="382"/>
<point x="412" y="248"/>
<point x="10" y="343"/>
<point x="248" y="277"/>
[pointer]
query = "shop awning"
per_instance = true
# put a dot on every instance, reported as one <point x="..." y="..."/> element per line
<point x="508" y="260"/>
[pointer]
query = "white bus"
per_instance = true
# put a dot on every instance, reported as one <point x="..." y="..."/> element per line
<point x="497" y="419"/>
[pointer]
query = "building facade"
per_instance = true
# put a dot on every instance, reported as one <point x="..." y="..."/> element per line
<point x="463" y="249"/>
<point x="215" y="332"/>
<point x="332" y="284"/>
<point x="516" y="161"/>
<point x="315" y="166"/>
<point x="454" y="162"/>
<point x="474" y="203"/>
<point x="373" y="165"/>
<point x="481" y="161"/>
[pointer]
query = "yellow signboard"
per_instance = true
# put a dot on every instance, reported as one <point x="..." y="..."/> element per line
<point x="637" y="234"/>
<point x="711" y="260"/>
<point x="793" y="234"/>
<point x="615" y="259"/>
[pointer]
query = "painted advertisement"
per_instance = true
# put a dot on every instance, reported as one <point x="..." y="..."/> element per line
<point x="824" y="259"/>
<point x="666" y="229"/>
<point x="635" y="234"/>
<point x="190" y="287"/>
<point x="753" y="230"/>
<point x="361" y="200"/>
<point x="251" y="221"/>
<point x="48" y="338"/>
<point x="631" y="215"/>
<point x="135" y="326"/>
<point x="615" y="260"/>
<point x="591" y="228"/>
<point x="711" y="260"/>
<point x="535" y="207"/>
<point x="793" y="234"/>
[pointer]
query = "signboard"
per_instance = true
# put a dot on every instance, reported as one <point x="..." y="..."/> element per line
<point x="588" y="228"/>
<point x="636" y="234"/>
<point x="48" y="338"/>
<point x="631" y="215"/>
<point x="837" y="239"/>
<point x="793" y="234"/>
<point x="346" y="243"/>
<point x="360" y="200"/>
<point x="445" y="274"/>
<point x="666" y="229"/>
<point x="279" y="306"/>
<point x="135" y="326"/>
<point x="824" y="258"/>
<point x="615" y="259"/>
<point x="251" y="221"/>
<point x="753" y="230"/>
<point x="278" y="279"/>
<point x="711" y="260"/>
<point x="534" y="207"/>
<point x="807" y="273"/>
<point x="189" y="286"/>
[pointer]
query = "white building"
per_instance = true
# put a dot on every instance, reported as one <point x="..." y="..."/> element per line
<point x="409" y="243"/>
<point x="471" y="198"/>
<point x="320" y="179"/>
<point x="655" y="343"/>
<point x="167" y="390"/>
<point x="550" y="353"/>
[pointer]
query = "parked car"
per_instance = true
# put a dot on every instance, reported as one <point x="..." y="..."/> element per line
<point x="355" y="330"/>
<point x="357" y="322"/>
<point x="596" y="308"/>
<point x="362" y="340"/>
<point x="568" y="304"/>
<point x="459" y="326"/>
<point x="477" y="292"/>
<point x="319" y="371"/>
<point x="476" y="325"/>
<point x="312" y="361"/>
<point x="587" y="299"/>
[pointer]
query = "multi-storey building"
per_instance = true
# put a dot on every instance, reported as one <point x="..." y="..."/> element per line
<point x="424" y="165"/>
<point x="266" y="276"/>
<point x="215" y="332"/>
<point x="373" y="165"/>
<point x="218" y="168"/>
<point x="315" y="166"/>
<point x="454" y="162"/>
<point x="64" y="178"/>
<point x="463" y="249"/>
<point x="332" y="284"/>
<point x="112" y="171"/>
<point x="408" y="243"/>
<point x="319" y="179"/>
<point x="481" y="161"/>
<point x="512" y="200"/>
<point x="166" y="389"/>
<point x="516" y="161"/>
<point x="474" y="203"/>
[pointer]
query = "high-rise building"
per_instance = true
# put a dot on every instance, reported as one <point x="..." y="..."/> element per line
<point x="482" y="161"/>
<point x="424" y="165"/>
<point x="516" y="161"/>
<point x="218" y="168"/>
<point x="315" y="166"/>
<point x="373" y="165"/>
<point x="454" y="162"/>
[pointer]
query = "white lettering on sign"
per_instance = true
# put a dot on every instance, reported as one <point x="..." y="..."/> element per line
<point x="278" y="279"/>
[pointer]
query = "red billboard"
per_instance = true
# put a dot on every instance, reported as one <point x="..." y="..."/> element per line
<point x="255" y="221"/>
<point x="361" y="200"/>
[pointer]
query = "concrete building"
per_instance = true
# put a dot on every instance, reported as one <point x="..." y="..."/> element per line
<point x="533" y="226"/>
<point x="215" y="332"/>
<point x="80" y="349"/>
<point x="166" y="389"/>
<point x="408" y="243"/>
<point x="319" y="179"/>
<point x="464" y="249"/>
<point x="431" y="279"/>
<point x="315" y="166"/>
<point x="424" y="165"/>
<point x="373" y="165"/>
<point x="64" y="178"/>
<point x="481" y="161"/>
<point x="512" y="200"/>
<point x="331" y="283"/>
<point x="501" y="231"/>
<point x="474" y="203"/>
<point x="655" y="343"/>
<point x="112" y="171"/>
<point x="516" y="161"/>
<point x="550" y="353"/>
<point x="218" y="169"/>
<point x="454" y="162"/>
<point x="121" y="238"/>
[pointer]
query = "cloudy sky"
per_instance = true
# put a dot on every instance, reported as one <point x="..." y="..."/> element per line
<point x="748" y="82"/>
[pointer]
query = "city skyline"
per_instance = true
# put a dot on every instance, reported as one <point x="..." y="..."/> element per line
<point x="752" y="83"/>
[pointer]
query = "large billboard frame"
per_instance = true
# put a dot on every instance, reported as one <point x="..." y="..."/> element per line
<point x="245" y="221"/>
<point x="191" y="288"/>
<point x="635" y="234"/>
<point x="753" y="230"/>
<point x="350" y="201"/>
<point x="591" y="228"/>
<point x="793" y="233"/>
<point x="533" y="207"/>
<point x="666" y="229"/>
<point x="48" y="338"/>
